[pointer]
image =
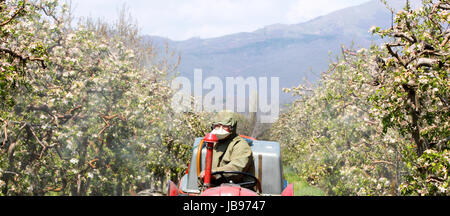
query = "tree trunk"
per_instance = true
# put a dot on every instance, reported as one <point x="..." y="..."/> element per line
<point x="415" y="112"/>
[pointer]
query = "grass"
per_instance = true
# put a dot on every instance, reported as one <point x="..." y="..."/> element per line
<point x="301" y="187"/>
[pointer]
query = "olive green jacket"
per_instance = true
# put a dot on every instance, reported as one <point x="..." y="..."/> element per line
<point x="233" y="154"/>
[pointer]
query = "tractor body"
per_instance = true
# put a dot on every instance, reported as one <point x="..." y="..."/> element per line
<point x="268" y="170"/>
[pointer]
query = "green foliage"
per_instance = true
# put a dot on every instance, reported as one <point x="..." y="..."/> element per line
<point x="330" y="135"/>
<point x="96" y="119"/>
<point x="429" y="175"/>
<point x="26" y="50"/>
<point x="378" y="114"/>
<point x="414" y="89"/>
<point x="413" y="94"/>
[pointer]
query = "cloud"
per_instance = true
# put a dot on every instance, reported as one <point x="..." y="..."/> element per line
<point x="183" y="19"/>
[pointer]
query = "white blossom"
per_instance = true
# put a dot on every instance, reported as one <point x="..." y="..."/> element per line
<point x="74" y="161"/>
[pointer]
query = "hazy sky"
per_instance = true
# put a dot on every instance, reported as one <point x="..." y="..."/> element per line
<point x="183" y="19"/>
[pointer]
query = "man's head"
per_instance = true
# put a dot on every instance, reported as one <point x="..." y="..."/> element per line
<point x="224" y="124"/>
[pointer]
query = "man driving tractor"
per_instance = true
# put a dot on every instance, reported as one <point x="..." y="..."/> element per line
<point x="231" y="153"/>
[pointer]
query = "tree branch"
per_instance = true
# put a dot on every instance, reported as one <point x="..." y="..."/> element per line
<point x="446" y="38"/>
<point x="12" y="146"/>
<point x="427" y="62"/>
<point x="384" y="162"/>
<point x="394" y="54"/>
<point x="403" y="35"/>
<point x="21" y="57"/>
<point x="440" y="6"/>
<point x="443" y="99"/>
<point x="5" y="132"/>
<point x="15" y="14"/>
<point x="35" y="136"/>
<point x="50" y="14"/>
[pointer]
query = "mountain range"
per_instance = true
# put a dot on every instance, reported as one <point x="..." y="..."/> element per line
<point x="294" y="53"/>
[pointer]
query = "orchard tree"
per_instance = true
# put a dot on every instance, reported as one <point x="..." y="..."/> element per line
<point x="18" y="48"/>
<point x="413" y="93"/>
<point x="414" y="76"/>
<point x="330" y="137"/>
<point x="96" y="120"/>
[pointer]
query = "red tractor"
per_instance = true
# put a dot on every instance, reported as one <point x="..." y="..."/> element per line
<point x="268" y="179"/>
